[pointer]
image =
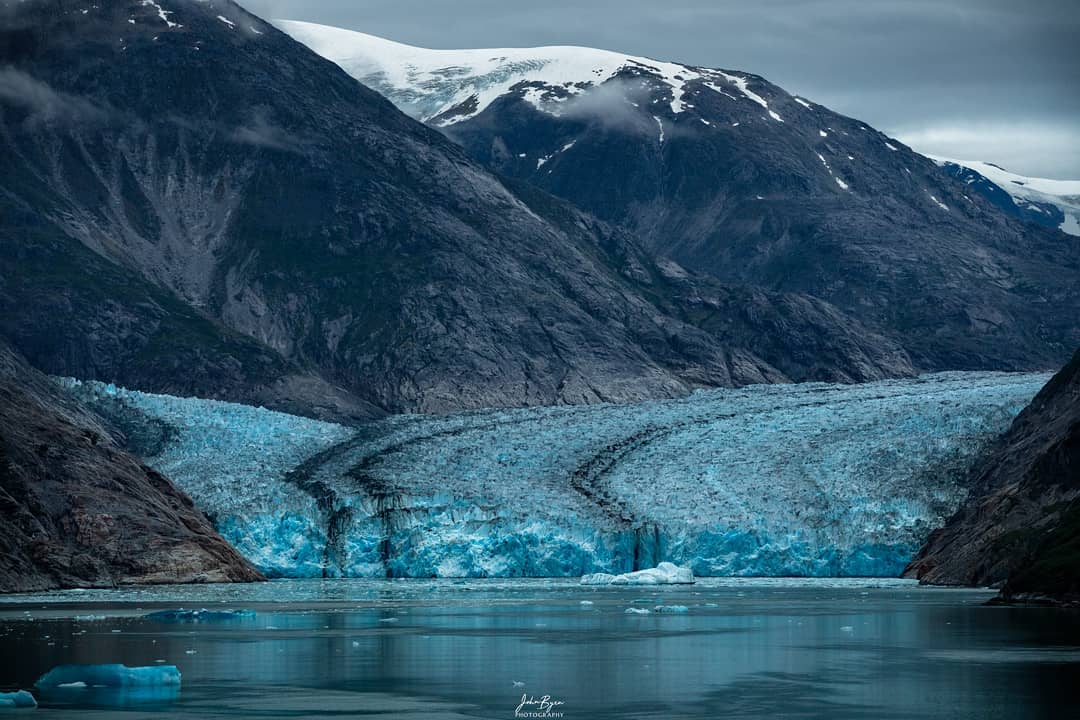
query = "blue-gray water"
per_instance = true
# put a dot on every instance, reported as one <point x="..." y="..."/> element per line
<point x="445" y="649"/>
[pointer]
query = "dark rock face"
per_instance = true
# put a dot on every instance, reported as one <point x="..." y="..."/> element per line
<point x="209" y="207"/>
<point x="1021" y="527"/>
<point x="80" y="512"/>
<point x="807" y="201"/>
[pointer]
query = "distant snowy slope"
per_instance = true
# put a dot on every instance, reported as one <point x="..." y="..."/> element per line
<point x="1050" y="202"/>
<point x="448" y="86"/>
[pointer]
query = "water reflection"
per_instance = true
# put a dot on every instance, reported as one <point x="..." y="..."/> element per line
<point x="741" y="651"/>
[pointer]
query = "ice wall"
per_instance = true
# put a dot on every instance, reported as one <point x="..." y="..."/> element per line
<point x="809" y="479"/>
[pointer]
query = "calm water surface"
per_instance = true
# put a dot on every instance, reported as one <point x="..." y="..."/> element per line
<point x="455" y="649"/>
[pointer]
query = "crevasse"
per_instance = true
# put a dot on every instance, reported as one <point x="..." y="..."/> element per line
<point x="807" y="480"/>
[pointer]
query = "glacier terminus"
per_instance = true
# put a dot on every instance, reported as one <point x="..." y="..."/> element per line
<point x="810" y="479"/>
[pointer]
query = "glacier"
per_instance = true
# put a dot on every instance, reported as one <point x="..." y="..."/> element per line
<point x="812" y="479"/>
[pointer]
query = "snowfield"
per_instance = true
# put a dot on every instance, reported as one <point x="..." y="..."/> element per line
<point x="1030" y="192"/>
<point x="448" y="86"/>
<point x="807" y="480"/>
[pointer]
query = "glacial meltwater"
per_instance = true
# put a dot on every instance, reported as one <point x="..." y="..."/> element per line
<point x="469" y="648"/>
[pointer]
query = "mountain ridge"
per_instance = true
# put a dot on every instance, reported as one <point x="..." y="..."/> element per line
<point x="731" y="176"/>
<point x="271" y="195"/>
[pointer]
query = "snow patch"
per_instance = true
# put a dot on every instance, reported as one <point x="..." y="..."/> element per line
<point x="163" y="14"/>
<point x="802" y="102"/>
<point x="227" y="21"/>
<point x="940" y="204"/>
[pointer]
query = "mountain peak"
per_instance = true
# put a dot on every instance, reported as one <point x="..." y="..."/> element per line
<point x="448" y="86"/>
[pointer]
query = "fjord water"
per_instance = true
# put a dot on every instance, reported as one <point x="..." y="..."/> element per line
<point x="745" y="648"/>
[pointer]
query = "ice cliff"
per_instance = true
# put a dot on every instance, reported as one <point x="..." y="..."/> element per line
<point x="809" y="479"/>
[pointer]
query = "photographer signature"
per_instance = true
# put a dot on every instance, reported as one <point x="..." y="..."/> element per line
<point x="543" y="706"/>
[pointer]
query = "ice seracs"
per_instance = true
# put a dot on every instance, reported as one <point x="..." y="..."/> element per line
<point x="777" y="480"/>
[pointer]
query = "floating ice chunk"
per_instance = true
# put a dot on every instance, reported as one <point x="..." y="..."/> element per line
<point x="518" y="684"/>
<point x="598" y="579"/>
<point x="197" y="616"/>
<point x="17" y="699"/>
<point x="637" y="611"/>
<point x="847" y="628"/>
<point x="665" y="573"/>
<point x="671" y="609"/>
<point x="586" y="602"/>
<point x="114" y="675"/>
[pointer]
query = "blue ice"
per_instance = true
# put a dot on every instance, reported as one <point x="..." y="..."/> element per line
<point x="17" y="699"/>
<point x="111" y="676"/>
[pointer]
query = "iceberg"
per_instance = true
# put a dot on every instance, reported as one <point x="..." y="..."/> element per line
<point x="811" y="480"/>
<point x="665" y="573"/>
<point x="110" y="676"/>
<point x="199" y="616"/>
<point x="674" y="609"/>
<point x="17" y="699"/>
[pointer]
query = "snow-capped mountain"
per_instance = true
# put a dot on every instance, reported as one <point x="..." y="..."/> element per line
<point x="224" y="208"/>
<point x="448" y="86"/>
<point x="731" y="175"/>
<point x="1053" y="203"/>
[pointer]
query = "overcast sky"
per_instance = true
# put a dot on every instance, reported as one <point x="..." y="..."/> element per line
<point x="988" y="80"/>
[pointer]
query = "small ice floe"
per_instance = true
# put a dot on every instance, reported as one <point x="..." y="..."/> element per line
<point x="518" y="684"/>
<point x="637" y="611"/>
<point x="665" y="573"/>
<point x="586" y="602"/>
<point x="17" y="699"/>
<point x="113" y="675"/>
<point x="190" y="652"/>
<point x="847" y="628"/>
<point x="199" y="616"/>
<point x="389" y="620"/>
<point x="671" y="609"/>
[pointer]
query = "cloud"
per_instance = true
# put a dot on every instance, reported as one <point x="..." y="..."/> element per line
<point x="610" y="104"/>
<point x="260" y="132"/>
<point x="42" y="102"/>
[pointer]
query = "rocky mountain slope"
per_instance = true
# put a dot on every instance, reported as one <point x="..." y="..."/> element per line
<point x="1021" y="527"/>
<point x="729" y="174"/>
<point x="201" y="204"/>
<point x="79" y="511"/>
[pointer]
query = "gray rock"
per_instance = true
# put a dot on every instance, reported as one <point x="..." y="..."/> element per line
<point x="1021" y="526"/>
<point x="80" y="512"/>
